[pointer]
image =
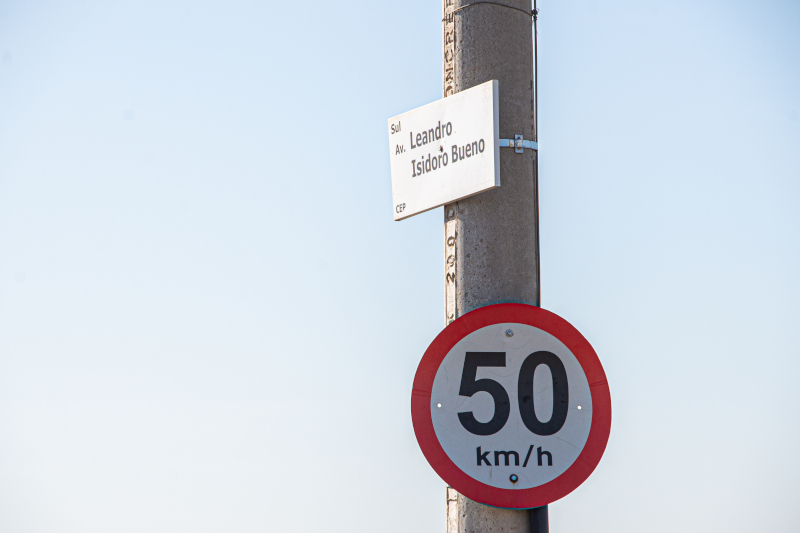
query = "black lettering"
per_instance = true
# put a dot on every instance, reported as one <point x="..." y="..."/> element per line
<point x="419" y="139"/>
<point x="444" y="159"/>
<point x="482" y="457"/>
<point x="474" y="148"/>
<point x="470" y="385"/>
<point x="560" y="393"/>
<point x="527" y="457"/>
<point x="439" y="131"/>
<point x="424" y="137"/>
<point x="435" y="163"/>
<point x="428" y="163"/>
<point x="455" y="153"/>
<point x="431" y="135"/>
<point x="468" y="150"/>
<point x="506" y="454"/>
<point x="541" y="454"/>
<point x="411" y="135"/>
<point x="481" y="145"/>
<point x="449" y="129"/>
<point x="413" y="167"/>
<point x="461" y="152"/>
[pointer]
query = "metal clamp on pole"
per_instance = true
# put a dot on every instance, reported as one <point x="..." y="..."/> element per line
<point x="518" y="143"/>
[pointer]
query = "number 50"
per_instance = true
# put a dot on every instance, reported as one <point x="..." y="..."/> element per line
<point x="502" y="407"/>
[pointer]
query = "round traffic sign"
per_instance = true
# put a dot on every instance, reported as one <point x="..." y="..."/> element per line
<point x="511" y="406"/>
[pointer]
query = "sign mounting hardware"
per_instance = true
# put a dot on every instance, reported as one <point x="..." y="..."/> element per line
<point x="518" y="143"/>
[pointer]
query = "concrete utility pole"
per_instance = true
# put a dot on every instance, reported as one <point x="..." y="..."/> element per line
<point x="492" y="239"/>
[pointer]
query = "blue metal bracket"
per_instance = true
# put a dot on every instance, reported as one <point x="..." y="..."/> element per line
<point x="518" y="143"/>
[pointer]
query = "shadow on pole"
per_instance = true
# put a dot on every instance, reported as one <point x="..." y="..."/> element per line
<point x="539" y="521"/>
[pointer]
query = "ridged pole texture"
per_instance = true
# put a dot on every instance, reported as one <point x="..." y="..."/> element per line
<point x="491" y="240"/>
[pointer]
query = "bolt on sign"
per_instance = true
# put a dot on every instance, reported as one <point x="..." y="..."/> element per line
<point x="511" y="406"/>
<point x="445" y="151"/>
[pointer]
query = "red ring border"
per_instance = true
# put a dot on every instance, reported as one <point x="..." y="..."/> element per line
<point x="599" y="432"/>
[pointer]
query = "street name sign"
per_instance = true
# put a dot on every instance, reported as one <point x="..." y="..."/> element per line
<point x="511" y="406"/>
<point x="445" y="151"/>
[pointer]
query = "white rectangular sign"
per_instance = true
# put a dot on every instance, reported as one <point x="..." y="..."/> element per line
<point x="445" y="151"/>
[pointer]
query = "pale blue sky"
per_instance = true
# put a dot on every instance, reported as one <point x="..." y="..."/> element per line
<point x="209" y="321"/>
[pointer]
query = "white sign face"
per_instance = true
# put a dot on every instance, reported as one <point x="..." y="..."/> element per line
<point x="445" y="151"/>
<point x="496" y="435"/>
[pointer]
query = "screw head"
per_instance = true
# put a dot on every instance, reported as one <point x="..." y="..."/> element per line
<point x="509" y="333"/>
<point x="513" y="478"/>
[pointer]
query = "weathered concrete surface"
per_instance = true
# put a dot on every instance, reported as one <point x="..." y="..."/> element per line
<point x="467" y="516"/>
<point x="494" y="253"/>
<point x="491" y="240"/>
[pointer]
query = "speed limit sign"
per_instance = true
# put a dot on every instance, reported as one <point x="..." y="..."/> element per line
<point x="511" y="406"/>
